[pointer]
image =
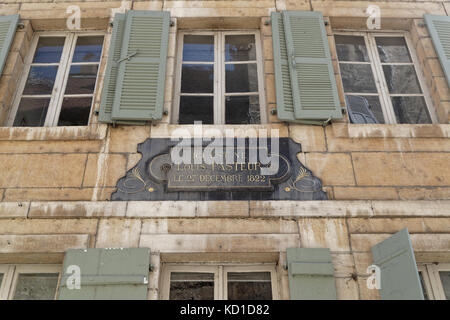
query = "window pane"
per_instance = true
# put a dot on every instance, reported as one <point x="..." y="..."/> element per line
<point x="31" y="112"/>
<point x="198" y="48"/>
<point x="351" y="48"/>
<point x="445" y="278"/>
<point x="75" y="112"/>
<point x="392" y="49"/>
<point x="424" y="290"/>
<point x="401" y="79"/>
<point x="88" y="49"/>
<point x="49" y="50"/>
<point x="196" y="109"/>
<point x="36" y="286"/>
<point x="41" y="80"/>
<point x="360" y="112"/>
<point x="240" y="48"/>
<point x="191" y="286"/>
<point x="241" y="77"/>
<point x="357" y="78"/>
<point x="197" y="78"/>
<point x="81" y="79"/>
<point x="410" y="110"/>
<point x="242" y="110"/>
<point x="249" y="286"/>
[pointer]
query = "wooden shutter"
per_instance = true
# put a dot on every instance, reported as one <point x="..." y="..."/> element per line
<point x="112" y="274"/>
<point x="399" y="276"/>
<point x="304" y="77"/>
<point x="439" y="29"/>
<point x="311" y="274"/>
<point x="112" y="68"/>
<point x="8" y="25"/>
<point x="142" y="67"/>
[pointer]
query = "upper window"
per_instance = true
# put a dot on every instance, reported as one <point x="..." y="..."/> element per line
<point x="219" y="282"/>
<point x="58" y="86"/>
<point x="435" y="280"/>
<point x="380" y="79"/>
<point x="29" y="282"/>
<point x="219" y="78"/>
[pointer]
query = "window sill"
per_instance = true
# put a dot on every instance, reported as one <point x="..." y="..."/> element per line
<point x="91" y="132"/>
<point x="345" y="130"/>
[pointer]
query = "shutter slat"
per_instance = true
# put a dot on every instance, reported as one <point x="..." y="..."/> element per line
<point x="399" y="275"/>
<point x="314" y="88"/>
<point x="140" y="91"/>
<point x="439" y="29"/>
<point x="311" y="274"/>
<point x="8" y="25"/>
<point x="113" y="274"/>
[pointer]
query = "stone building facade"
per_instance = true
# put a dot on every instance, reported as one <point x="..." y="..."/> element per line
<point x="57" y="182"/>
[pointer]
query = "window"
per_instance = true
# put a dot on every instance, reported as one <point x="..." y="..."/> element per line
<point x="219" y="78"/>
<point x="58" y="86"/>
<point x="380" y="79"/>
<point x="29" y="282"/>
<point x="219" y="282"/>
<point x="435" y="280"/>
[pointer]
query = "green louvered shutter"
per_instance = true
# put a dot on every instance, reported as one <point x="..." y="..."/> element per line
<point x="311" y="274"/>
<point x="398" y="270"/>
<point x="305" y="83"/>
<point x="285" y="104"/>
<point x="439" y="29"/>
<point x="107" y="274"/>
<point x="8" y="25"/>
<point x="142" y="67"/>
<point x="112" y="68"/>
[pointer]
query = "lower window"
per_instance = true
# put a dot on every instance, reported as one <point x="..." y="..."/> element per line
<point x="29" y="282"/>
<point x="435" y="279"/>
<point x="219" y="282"/>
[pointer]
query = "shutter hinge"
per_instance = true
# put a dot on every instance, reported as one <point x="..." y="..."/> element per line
<point x="326" y="122"/>
<point x="344" y="110"/>
<point x="96" y="112"/>
<point x="326" y="23"/>
<point x="267" y="22"/>
<point x="165" y="112"/>
<point x="273" y="111"/>
<point x="172" y="23"/>
<point x="128" y="57"/>
<point x="151" y="267"/>
<point x="20" y="25"/>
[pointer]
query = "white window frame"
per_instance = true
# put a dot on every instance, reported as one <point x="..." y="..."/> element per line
<point x="57" y="95"/>
<point x="219" y="73"/>
<point x="12" y="272"/>
<point x="433" y="283"/>
<point x="380" y="80"/>
<point x="220" y="272"/>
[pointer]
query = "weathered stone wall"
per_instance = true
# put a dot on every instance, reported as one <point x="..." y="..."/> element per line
<point x="354" y="162"/>
<point x="241" y="231"/>
<point x="54" y="182"/>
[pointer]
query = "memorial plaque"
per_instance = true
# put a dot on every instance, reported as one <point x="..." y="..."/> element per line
<point x="243" y="169"/>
